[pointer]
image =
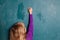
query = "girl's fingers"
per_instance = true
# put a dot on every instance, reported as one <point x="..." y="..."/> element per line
<point x="30" y="10"/>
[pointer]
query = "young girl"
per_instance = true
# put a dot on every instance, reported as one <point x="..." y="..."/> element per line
<point x="18" y="31"/>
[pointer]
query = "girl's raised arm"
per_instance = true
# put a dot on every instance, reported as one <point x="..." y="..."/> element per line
<point x="30" y="27"/>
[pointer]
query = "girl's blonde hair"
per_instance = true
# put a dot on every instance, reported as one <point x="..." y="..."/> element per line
<point x="18" y="32"/>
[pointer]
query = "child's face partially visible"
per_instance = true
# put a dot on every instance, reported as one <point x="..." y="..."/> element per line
<point x="21" y="30"/>
<point x="19" y="33"/>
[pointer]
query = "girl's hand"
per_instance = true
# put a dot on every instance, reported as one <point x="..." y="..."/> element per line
<point x="30" y="10"/>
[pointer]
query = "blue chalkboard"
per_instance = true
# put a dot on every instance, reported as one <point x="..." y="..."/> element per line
<point x="46" y="17"/>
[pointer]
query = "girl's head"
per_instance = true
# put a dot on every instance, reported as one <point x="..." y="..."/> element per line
<point x="21" y="27"/>
<point x="19" y="31"/>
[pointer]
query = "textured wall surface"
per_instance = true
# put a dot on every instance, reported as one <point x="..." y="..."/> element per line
<point x="46" y="14"/>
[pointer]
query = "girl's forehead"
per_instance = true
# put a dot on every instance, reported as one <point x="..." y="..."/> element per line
<point x="20" y="27"/>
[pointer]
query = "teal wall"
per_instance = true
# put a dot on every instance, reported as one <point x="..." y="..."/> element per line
<point x="46" y="15"/>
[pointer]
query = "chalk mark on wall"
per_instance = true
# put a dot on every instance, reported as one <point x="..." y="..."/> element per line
<point x="40" y="16"/>
<point x="20" y="12"/>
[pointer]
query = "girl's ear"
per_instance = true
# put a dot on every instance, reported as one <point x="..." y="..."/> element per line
<point x="25" y="30"/>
